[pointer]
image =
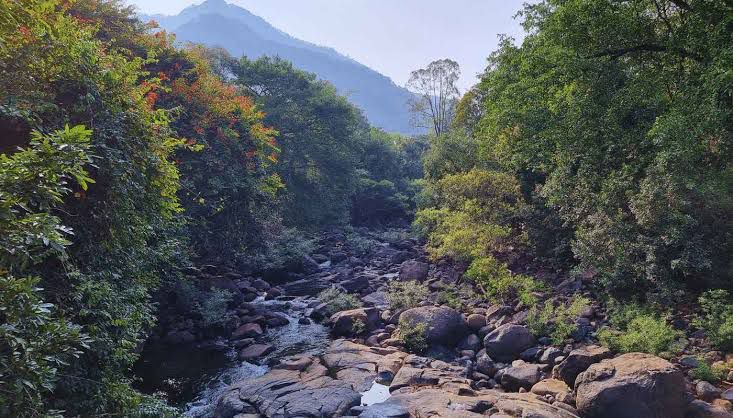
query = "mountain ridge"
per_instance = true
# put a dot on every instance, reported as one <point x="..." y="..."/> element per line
<point x="218" y="23"/>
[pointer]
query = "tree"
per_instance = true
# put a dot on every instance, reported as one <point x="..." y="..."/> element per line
<point x="436" y="94"/>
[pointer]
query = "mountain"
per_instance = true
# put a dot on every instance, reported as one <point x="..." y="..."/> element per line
<point x="217" y="23"/>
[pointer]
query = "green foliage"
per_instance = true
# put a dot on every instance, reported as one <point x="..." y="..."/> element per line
<point x="214" y="310"/>
<point x="499" y="284"/>
<point x="406" y="295"/>
<point x="413" y="336"/>
<point x="34" y="344"/>
<point x="621" y="112"/>
<point x="640" y="330"/>
<point x="358" y="327"/>
<point x="556" y="320"/>
<point x="717" y="318"/>
<point x="451" y="295"/>
<point x="709" y="373"/>
<point x="337" y="300"/>
<point x="288" y="246"/>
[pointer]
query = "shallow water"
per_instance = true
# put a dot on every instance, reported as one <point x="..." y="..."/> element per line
<point x="193" y="378"/>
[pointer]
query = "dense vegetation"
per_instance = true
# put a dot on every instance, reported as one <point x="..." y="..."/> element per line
<point x="601" y="144"/>
<point x="125" y="160"/>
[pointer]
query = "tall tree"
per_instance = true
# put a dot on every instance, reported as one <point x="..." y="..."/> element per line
<point x="433" y="105"/>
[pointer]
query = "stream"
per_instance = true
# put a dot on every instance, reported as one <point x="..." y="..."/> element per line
<point x="192" y="377"/>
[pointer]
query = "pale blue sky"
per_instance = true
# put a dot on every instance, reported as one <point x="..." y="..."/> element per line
<point x="390" y="36"/>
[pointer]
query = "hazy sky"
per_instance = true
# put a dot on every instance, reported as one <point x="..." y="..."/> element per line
<point x="393" y="37"/>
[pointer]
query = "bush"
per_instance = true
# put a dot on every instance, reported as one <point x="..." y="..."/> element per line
<point x="643" y="331"/>
<point x="337" y="300"/>
<point x="413" y="336"/>
<point x="406" y="295"/>
<point x="556" y="321"/>
<point x="214" y="310"/>
<point x="451" y="295"/>
<point x="499" y="284"/>
<point x="287" y="246"/>
<point x="717" y="318"/>
<point x="360" y="245"/>
<point x="708" y="373"/>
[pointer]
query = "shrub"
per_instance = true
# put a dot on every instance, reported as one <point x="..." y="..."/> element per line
<point x="708" y="373"/>
<point x="717" y="318"/>
<point x="556" y="321"/>
<point x="337" y="300"/>
<point x="214" y="310"/>
<point x="289" y="245"/>
<point x="406" y="295"/>
<point x="360" y="245"/>
<point x="451" y="295"/>
<point x="358" y="326"/>
<point x="499" y="284"/>
<point x="645" y="332"/>
<point x="413" y="336"/>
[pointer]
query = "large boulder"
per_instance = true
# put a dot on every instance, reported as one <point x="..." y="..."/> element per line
<point x="701" y="409"/>
<point x="578" y="361"/>
<point x="346" y="322"/>
<point x="507" y="341"/>
<point x="634" y="385"/>
<point x="414" y="270"/>
<point x="445" y="325"/>
<point x="522" y="376"/>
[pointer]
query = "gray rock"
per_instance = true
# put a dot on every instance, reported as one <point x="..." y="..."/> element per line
<point x="255" y="351"/>
<point x="507" y="341"/>
<point x="707" y="391"/>
<point x="445" y="325"/>
<point x="343" y="322"/>
<point x="701" y="409"/>
<point x="476" y="321"/>
<point x="634" y="385"/>
<point x="578" y="361"/>
<point x="414" y="270"/>
<point x="524" y="376"/>
<point x="471" y="342"/>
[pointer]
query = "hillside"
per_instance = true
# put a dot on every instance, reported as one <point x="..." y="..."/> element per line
<point x="217" y="23"/>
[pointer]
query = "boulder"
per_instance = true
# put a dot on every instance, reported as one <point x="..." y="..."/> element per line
<point x="507" y="341"/>
<point x="486" y="364"/>
<point x="523" y="376"/>
<point x="310" y="265"/>
<point x="553" y="387"/>
<point x="701" y="409"/>
<point x="255" y="350"/>
<point x="445" y="325"/>
<point x="414" y="270"/>
<point x="471" y="342"/>
<point x="250" y="330"/>
<point x="707" y="391"/>
<point x="634" y="385"/>
<point x="476" y="321"/>
<point x="343" y="322"/>
<point x="578" y="361"/>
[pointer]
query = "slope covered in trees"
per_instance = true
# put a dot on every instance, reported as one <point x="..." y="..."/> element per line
<point x="124" y="161"/>
<point x="216" y="23"/>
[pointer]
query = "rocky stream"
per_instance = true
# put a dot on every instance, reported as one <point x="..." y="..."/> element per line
<point x="283" y="355"/>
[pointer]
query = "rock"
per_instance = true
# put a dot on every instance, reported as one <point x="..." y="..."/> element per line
<point x="471" y="342"/>
<point x="524" y="376"/>
<point x="507" y="341"/>
<point x="497" y="311"/>
<point x="356" y="283"/>
<point x="255" y="350"/>
<point x="486" y="364"/>
<point x="310" y="286"/>
<point x="338" y="256"/>
<point x="722" y="403"/>
<point x="553" y="387"/>
<point x="707" y="391"/>
<point x="343" y="322"/>
<point x="578" y="361"/>
<point x="414" y="270"/>
<point x="279" y="393"/>
<point x="445" y="325"/>
<point x="476" y="321"/>
<point x="701" y="409"/>
<point x="549" y="355"/>
<point x="250" y="330"/>
<point x="260" y="285"/>
<point x="634" y="385"/>
<point x="320" y="258"/>
<point x="531" y="354"/>
<point x="727" y="394"/>
<point x="378" y="298"/>
<point x="310" y="265"/>
<point x="277" y="319"/>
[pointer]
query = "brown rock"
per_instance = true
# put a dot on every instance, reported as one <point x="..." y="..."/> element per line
<point x="255" y="350"/>
<point x="634" y="385"/>
<point x="578" y="361"/>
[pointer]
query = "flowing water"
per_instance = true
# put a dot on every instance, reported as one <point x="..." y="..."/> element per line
<point x="194" y="377"/>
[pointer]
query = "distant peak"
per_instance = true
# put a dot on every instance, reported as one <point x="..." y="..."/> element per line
<point x="215" y="3"/>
